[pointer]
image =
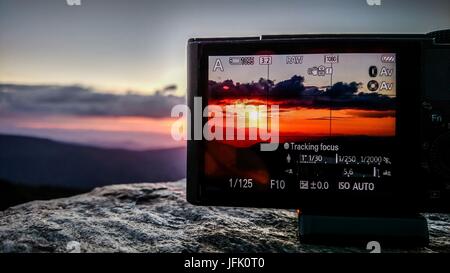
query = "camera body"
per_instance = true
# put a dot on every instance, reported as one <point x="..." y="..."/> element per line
<point x="435" y="122"/>
<point x="362" y="122"/>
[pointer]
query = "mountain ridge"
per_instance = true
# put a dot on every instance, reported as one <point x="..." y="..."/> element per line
<point x="43" y="162"/>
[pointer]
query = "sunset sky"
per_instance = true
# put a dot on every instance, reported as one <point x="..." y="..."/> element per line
<point x="298" y="123"/>
<point x="118" y="66"/>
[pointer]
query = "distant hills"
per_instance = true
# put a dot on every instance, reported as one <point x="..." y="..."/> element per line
<point x="36" y="162"/>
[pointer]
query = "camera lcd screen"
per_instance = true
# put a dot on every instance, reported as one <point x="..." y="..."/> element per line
<point x="330" y="117"/>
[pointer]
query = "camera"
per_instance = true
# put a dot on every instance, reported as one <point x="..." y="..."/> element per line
<point x="335" y="123"/>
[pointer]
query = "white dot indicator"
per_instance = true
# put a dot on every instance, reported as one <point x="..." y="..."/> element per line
<point x="286" y="146"/>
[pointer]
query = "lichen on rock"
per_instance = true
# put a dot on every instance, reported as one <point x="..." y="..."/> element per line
<point x="155" y="217"/>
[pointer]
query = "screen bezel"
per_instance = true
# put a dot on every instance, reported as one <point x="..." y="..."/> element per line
<point x="408" y="66"/>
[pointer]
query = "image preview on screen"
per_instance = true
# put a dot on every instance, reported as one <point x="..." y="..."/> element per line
<point x="336" y="121"/>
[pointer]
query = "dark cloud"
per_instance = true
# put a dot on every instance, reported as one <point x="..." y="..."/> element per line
<point x="342" y="90"/>
<point x="327" y="118"/>
<point x="169" y="89"/>
<point x="372" y="114"/>
<point x="78" y="100"/>
<point x="293" y="92"/>
<point x="229" y="89"/>
<point x="291" y="88"/>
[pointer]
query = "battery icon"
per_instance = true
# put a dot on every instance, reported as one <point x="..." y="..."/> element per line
<point x="235" y="61"/>
<point x="388" y="59"/>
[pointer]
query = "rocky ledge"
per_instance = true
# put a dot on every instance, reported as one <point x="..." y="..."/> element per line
<point x="155" y="217"/>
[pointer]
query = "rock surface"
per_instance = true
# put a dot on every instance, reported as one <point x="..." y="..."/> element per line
<point x="156" y="218"/>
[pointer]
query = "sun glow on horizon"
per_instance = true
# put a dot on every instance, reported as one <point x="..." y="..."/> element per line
<point x="136" y="133"/>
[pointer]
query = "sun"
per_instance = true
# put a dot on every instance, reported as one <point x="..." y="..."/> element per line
<point x="253" y="116"/>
